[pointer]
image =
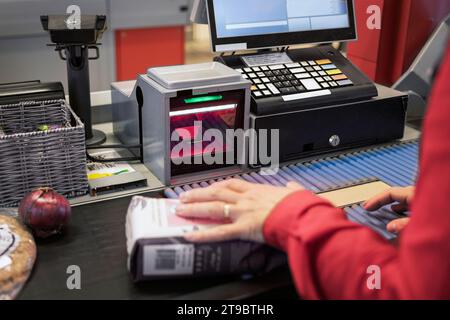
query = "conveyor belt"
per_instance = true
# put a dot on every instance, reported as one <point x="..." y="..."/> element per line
<point x="395" y="164"/>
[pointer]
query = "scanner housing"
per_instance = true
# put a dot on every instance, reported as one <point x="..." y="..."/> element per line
<point x="178" y="105"/>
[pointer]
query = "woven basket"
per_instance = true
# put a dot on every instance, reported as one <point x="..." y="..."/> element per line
<point x="42" y="144"/>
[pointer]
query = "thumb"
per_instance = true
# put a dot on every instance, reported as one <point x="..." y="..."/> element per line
<point x="398" y="225"/>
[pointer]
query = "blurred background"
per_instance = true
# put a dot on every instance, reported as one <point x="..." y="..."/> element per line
<point x="147" y="33"/>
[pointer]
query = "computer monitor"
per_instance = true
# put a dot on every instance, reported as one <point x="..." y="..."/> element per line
<point x="256" y="24"/>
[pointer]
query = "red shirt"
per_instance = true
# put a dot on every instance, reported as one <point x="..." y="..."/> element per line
<point x="329" y="255"/>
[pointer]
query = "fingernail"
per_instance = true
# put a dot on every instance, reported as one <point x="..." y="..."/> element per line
<point x="394" y="228"/>
<point x="180" y="209"/>
<point x="183" y="197"/>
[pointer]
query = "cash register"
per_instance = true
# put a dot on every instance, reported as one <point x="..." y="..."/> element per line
<point x="318" y="100"/>
<point x="319" y="75"/>
<point x="314" y="99"/>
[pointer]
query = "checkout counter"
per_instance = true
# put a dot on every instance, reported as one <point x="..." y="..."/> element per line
<point x="96" y="241"/>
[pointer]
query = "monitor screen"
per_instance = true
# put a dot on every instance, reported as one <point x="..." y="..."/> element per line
<point x="251" y="24"/>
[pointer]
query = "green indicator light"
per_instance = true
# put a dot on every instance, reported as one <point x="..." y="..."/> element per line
<point x="203" y="99"/>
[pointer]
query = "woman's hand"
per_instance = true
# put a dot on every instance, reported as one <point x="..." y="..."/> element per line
<point x="402" y="197"/>
<point x="245" y="205"/>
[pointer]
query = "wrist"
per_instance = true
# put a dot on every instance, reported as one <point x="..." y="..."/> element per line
<point x="284" y="218"/>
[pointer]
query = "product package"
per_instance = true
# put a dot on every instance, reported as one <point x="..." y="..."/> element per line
<point x="157" y="249"/>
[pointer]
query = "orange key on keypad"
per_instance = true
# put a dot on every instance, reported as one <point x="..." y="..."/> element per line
<point x="324" y="61"/>
<point x="333" y="72"/>
<point x="254" y="88"/>
<point x="339" y="77"/>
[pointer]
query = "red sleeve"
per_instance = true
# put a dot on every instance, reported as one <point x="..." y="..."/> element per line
<point x="329" y="255"/>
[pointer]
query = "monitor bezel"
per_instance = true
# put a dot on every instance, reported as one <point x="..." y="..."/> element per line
<point x="275" y="40"/>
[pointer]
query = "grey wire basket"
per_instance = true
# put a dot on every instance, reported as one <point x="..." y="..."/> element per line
<point x="42" y="144"/>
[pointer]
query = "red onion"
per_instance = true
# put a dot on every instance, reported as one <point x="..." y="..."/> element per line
<point x="45" y="211"/>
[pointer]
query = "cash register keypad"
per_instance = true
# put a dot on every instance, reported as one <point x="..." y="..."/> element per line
<point x="286" y="79"/>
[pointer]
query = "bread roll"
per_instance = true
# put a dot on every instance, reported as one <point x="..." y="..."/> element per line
<point x="17" y="256"/>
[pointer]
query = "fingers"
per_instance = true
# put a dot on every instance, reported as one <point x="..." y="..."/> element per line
<point x="204" y="210"/>
<point x="389" y="196"/>
<point x="236" y="185"/>
<point x="400" y="207"/>
<point x="210" y="194"/>
<point x="242" y="186"/>
<point x="218" y="234"/>
<point x="398" y="225"/>
<point x="379" y="201"/>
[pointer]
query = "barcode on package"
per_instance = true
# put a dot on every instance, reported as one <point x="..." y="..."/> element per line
<point x="166" y="259"/>
<point x="173" y="259"/>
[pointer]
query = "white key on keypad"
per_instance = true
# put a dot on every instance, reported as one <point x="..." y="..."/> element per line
<point x="256" y="81"/>
<point x="260" y="74"/>
<point x="256" y="69"/>
<point x="310" y="84"/>
<point x="276" y="67"/>
<point x="302" y="75"/>
<point x="248" y="70"/>
<point x="257" y="94"/>
<point x="320" y="79"/>
<point x="322" y="73"/>
<point x="325" y="85"/>
<point x="252" y="75"/>
<point x="314" y="74"/>
<point x="265" y="80"/>
<point x="239" y="70"/>
<point x="298" y="70"/>
<point x="267" y="93"/>
<point x="292" y="65"/>
<point x="273" y="88"/>
<point x="261" y="86"/>
<point x="304" y="63"/>
<point x="317" y="68"/>
<point x="265" y="68"/>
